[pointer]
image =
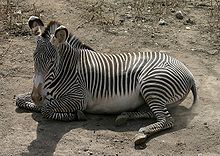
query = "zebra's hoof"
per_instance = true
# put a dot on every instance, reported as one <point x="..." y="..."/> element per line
<point x="140" y="138"/>
<point x="81" y="116"/>
<point x="120" y="120"/>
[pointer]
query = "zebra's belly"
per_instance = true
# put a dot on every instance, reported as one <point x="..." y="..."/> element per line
<point x="115" y="104"/>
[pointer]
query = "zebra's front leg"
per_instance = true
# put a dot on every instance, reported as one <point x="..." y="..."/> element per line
<point x="24" y="101"/>
<point x="56" y="110"/>
<point x="125" y="116"/>
<point x="164" y="121"/>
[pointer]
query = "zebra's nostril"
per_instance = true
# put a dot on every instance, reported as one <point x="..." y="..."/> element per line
<point x="41" y="99"/>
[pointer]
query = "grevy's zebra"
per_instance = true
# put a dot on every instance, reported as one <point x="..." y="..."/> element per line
<point x="71" y="78"/>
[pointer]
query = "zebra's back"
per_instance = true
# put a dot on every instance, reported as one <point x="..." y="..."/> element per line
<point x="115" y="80"/>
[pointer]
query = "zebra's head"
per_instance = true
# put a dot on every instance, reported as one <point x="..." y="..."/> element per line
<point x="45" y="54"/>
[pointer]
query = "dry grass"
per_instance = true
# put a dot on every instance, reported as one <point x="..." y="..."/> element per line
<point x="14" y="15"/>
<point x="149" y="12"/>
<point x="214" y="20"/>
<point x="101" y="12"/>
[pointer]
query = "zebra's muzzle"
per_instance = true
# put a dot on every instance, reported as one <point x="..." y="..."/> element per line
<point x="36" y="95"/>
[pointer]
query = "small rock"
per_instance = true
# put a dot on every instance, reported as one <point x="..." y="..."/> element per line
<point x="162" y="22"/>
<point x="180" y="144"/>
<point x="90" y="153"/>
<point x="179" y="15"/>
<point x="172" y="10"/>
<point x="86" y="149"/>
<point x="18" y="12"/>
<point x="128" y="15"/>
<point x="187" y="28"/>
<point x="115" y="140"/>
<point x="213" y="52"/>
<point x="18" y="24"/>
<point x="189" y="21"/>
<point x="213" y="133"/>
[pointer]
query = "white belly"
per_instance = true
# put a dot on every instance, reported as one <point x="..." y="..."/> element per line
<point x="115" y="104"/>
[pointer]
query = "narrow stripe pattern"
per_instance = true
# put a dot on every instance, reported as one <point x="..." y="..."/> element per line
<point x="75" y="74"/>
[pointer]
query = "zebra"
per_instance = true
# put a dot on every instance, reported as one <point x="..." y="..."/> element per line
<point x="70" y="78"/>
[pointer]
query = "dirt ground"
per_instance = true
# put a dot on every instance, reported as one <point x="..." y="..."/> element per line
<point x="113" y="26"/>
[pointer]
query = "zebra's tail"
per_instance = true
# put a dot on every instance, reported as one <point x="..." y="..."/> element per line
<point x="194" y="91"/>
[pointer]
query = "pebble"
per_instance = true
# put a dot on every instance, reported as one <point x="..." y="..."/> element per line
<point x="86" y="149"/>
<point x="187" y="28"/>
<point x="189" y="21"/>
<point x="18" y="12"/>
<point x="128" y="15"/>
<point x="162" y="22"/>
<point x="179" y="15"/>
<point x="213" y="52"/>
<point x="115" y="140"/>
<point x="172" y="10"/>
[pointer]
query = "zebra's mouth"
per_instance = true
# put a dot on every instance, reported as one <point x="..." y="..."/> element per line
<point x="36" y="95"/>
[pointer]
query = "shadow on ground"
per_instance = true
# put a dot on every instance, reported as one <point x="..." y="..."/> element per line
<point x="50" y="132"/>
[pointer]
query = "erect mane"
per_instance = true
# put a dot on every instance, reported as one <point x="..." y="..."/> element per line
<point x="50" y="29"/>
<point x="72" y="39"/>
<point x="77" y="43"/>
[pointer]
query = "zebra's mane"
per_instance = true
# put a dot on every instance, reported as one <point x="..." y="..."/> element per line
<point x="71" y="39"/>
<point x="49" y="31"/>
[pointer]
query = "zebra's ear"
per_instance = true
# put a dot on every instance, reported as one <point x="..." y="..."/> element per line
<point x="36" y="25"/>
<point x="61" y="34"/>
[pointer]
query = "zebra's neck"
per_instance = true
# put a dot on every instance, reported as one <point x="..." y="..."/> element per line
<point x="65" y="66"/>
<point x="74" y="42"/>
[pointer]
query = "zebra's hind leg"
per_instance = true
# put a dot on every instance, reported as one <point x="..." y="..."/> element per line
<point x="164" y="121"/>
<point x="24" y="101"/>
<point x="125" y="116"/>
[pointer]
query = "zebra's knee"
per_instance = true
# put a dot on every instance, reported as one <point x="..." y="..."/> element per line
<point x="21" y="99"/>
<point x="121" y="119"/>
<point x="46" y="112"/>
<point x="81" y="116"/>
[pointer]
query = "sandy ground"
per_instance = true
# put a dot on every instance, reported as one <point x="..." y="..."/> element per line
<point x="196" y="131"/>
